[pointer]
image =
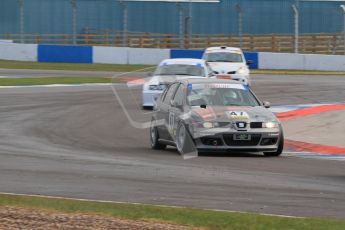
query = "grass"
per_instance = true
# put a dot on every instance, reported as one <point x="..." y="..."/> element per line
<point x="127" y="68"/>
<point x="70" y="66"/>
<point x="53" y="80"/>
<point x="295" y="72"/>
<point x="186" y="216"/>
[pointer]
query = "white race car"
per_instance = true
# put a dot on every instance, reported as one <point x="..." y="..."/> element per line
<point x="228" y="63"/>
<point x="170" y="70"/>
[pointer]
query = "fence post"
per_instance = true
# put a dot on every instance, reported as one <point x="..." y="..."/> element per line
<point x="74" y="21"/>
<point x="296" y="20"/>
<point x="125" y="24"/>
<point x="343" y="9"/>
<point x="21" y="20"/>
<point x="240" y="23"/>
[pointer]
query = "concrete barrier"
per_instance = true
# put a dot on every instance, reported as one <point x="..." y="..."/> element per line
<point x="18" y="52"/>
<point x="110" y="55"/>
<point x="301" y="61"/>
<point x="147" y="56"/>
<point x="67" y="54"/>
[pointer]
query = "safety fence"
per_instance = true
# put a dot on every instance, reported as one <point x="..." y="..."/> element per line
<point x="321" y="43"/>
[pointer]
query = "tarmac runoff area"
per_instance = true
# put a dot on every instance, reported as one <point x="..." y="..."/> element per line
<point x="76" y="142"/>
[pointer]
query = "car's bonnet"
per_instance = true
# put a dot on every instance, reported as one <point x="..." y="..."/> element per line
<point x="224" y="67"/>
<point x="257" y="113"/>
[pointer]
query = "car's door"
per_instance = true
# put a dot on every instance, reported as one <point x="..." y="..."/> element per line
<point x="163" y="113"/>
<point x="176" y="110"/>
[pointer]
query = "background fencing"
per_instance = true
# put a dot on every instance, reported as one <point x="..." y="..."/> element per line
<point x="254" y="25"/>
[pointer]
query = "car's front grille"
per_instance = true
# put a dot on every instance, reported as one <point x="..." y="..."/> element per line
<point x="229" y="140"/>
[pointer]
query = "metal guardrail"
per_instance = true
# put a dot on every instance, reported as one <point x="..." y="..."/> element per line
<point x="308" y="43"/>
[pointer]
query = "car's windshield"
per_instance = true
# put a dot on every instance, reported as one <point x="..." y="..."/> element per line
<point x="220" y="95"/>
<point x="180" y="69"/>
<point x="223" y="57"/>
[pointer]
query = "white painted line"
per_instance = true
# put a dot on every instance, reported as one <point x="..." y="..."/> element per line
<point x="163" y="206"/>
<point x="58" y="85"/>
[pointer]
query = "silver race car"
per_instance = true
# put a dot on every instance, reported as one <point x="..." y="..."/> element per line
<point x="214" y="115"/>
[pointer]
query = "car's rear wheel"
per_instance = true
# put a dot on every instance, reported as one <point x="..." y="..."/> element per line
<point x="280" y="148"/>
<point x="154" y="138"/>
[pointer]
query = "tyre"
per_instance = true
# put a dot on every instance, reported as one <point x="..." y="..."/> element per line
<point x="154" y="136"/>
<point x="184" y="141"/>
<point x="280" y="147"/>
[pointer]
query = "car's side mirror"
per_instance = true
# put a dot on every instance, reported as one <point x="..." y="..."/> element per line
<point x="266" y="104"/>
<point x="249" y="62"/>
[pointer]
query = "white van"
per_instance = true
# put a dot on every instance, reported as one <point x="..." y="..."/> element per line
<point x="228" y="63"/>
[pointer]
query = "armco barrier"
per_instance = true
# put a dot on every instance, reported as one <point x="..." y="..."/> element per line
<point x="18" y="52"/>
<point x="69" y="54"/>
<point x="253" y="56"/>
<point x="301" y="61"/>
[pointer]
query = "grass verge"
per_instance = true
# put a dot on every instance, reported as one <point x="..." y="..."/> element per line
<point x="128" y="68"/>
<point x="184" y="216"/>
<point x="54" y="80"/>
<point x="296" y="72"/>
<point x="70" y="66"/>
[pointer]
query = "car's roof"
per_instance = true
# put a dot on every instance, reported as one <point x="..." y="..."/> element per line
<point x="208" y="81"/>
<point x="184" y="61"/>
<point x="223" y="49"/>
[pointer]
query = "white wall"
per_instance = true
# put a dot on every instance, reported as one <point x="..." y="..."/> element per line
<point x="147" y="56"/>
<point x="301" y="61"/>
<point x="124" y="55"/>
<point x="110" y="55"/>
<point x="18" y="52"/>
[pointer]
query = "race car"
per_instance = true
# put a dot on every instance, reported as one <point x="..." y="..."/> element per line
<point x="168" y="71"/>
<point x="216" y="115"/>
<point x="228" y="63"/>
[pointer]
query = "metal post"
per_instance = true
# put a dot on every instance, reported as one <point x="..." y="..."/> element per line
<point x="343" y="9"/>
<point x="296" y="16"/>
<point x="21" y="20"/>
<point x="124" y="24"/>
<point x="240" y="23"/>
<point x="180" y="13"/>
<point x="190" y="23"/>
<point x="74" y="21"/>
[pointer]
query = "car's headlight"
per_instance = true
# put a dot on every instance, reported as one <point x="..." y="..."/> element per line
<point x="210" y="125"/>
<point x="270" y="124"/>
<point x="243" y="70"/>
<point x="157" y="87"/>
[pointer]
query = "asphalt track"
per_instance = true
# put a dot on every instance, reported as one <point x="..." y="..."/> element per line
<point x="77" y="142"/>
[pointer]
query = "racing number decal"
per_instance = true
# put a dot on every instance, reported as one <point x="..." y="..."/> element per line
<point x="171" y="124"/>
<point x="238" y="115"/>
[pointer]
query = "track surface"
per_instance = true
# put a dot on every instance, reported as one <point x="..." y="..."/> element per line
<point x="76" y="142"/>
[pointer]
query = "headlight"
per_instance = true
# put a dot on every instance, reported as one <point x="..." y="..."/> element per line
<point x="157" y="87"/>
<point x="209" y="125"/>
<point x="270" y="124"/>
<point x="242" y="70"/>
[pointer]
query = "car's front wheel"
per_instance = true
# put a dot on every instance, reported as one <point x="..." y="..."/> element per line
<point x="184" y="141"/>
<point x="154" y="136"/>
<point x="280" y="148"/>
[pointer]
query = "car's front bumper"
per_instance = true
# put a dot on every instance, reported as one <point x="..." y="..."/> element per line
<point x="266" y="141"/>
<point x="237" y="77"/>
<point x="149" y="97"/>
